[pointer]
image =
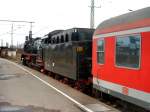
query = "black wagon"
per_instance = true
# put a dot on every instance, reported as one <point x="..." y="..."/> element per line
<point x="69" y="53"/>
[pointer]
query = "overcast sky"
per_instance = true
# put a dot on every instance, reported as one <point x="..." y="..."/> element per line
<point x="50" y="15"/>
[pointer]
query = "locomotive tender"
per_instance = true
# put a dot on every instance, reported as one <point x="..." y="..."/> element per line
<point x="69" y="53"/>
<point x="120" y="59"/>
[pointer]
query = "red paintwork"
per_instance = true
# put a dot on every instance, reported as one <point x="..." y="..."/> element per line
<point x="125" y="91"/>
<point x="137" y="79"/>
<point x="126" y="26"/>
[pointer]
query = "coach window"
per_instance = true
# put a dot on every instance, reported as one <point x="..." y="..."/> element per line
<point x="54" y="40"/>
<point x="128" y="51"/>
<point x="62" y="39"/>
<point x="57" y="39"/>
<point x="66" y="38"/>
<point x="74" y="36"/>
<point x="48" y="41"/>
<point x="51" y="41"/>
<point x="100" y="51"/>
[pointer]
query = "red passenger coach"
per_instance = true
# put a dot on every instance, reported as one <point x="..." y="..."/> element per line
<point x="121" y="57"/>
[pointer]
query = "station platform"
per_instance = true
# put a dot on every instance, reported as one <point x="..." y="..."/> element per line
<point x="23" y="89"/>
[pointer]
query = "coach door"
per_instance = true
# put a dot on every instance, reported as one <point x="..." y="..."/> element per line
<point x="100" y="56"/>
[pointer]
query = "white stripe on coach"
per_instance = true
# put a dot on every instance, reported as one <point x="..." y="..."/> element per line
<point x="132" y="31"/>
<point x="141" y="95"/>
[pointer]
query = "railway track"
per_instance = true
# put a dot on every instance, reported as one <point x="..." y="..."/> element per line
<point x="102" y="97"/>
<point x="105" y="98"/>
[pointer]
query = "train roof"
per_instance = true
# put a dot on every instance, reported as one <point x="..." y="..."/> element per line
<point x="81" y="29"/>
<point x="76" y="30"/>
<point x="54" y="32"/>
<point x="132" y="20"/>
<point x="86" y="33"/>
<point x="37" y="38"/>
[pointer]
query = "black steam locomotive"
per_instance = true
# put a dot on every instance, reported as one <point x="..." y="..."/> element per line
<point x="64" y="52"/>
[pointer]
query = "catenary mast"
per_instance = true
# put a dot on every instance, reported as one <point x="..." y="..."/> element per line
<point x="92" y="14"/>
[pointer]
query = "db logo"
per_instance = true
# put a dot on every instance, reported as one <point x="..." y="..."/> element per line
<point x="125" y="90"/>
